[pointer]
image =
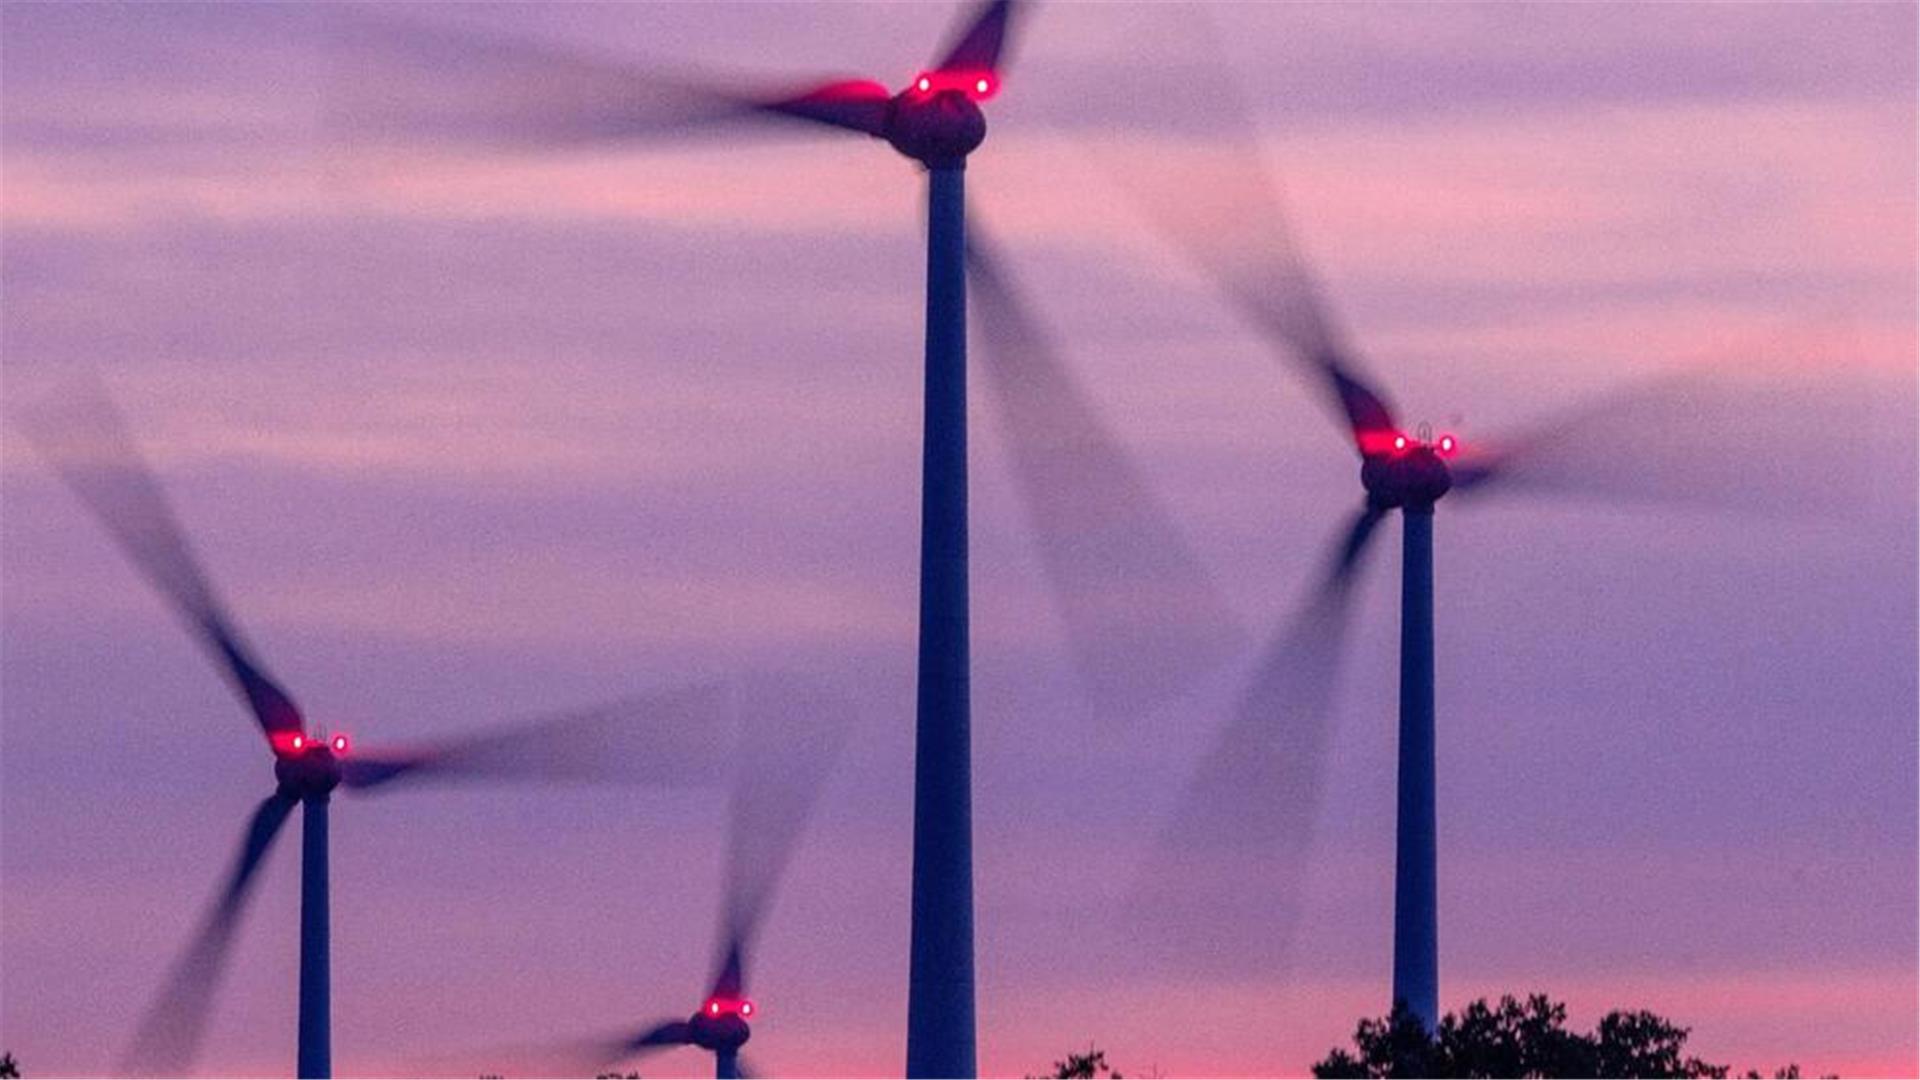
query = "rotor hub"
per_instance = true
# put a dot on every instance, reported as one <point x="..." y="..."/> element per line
<point x="938" y="128"/>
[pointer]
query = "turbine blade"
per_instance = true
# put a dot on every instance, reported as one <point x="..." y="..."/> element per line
<point x="1353" y="545"/>
<point x="84" y="439"/>
<point x="1144" y="620"/>
<point x="857" y="105"/>
<point x="664" y="1034"/>
<point x="580" y="1056"/>
<point x="981" y="40"/>
<point x="409" y="81"/>
<point x="1685" y="439"/>
<point x="730" y="974"/>
<point x="794" y="732"/>
<point x="1215" y="203"/>
<point x="679" y="738"/>
<point x="1568" y="439"/>
<point x="1229" y="226"/>
<point x="1234" y="854"/>
<point x="169" y="1035"/>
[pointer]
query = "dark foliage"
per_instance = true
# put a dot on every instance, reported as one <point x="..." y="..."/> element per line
<point x="1091" y="1065"/>
<point x="8" y="1066"/>
<point x="1520" y="1039"/>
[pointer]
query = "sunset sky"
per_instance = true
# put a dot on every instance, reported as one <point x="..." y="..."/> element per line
<point x="471" y="434"/>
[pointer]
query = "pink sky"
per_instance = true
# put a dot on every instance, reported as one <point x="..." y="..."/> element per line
<point x="469" y="436"/>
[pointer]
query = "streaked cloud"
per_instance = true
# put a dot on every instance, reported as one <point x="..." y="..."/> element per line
<point x="472" y="433"/>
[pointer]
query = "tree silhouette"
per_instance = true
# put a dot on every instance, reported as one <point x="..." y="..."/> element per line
<point x="1520" y="1039"/>
<point x="9" y="1068"/>
<point x="1091" y="1065"/>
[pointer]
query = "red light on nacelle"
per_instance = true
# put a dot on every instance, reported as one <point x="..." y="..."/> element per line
<point x="717" y="1007"/>
<point x="339" y="744"/>
<point x="1447" y="444"/>
<point x="1399" y="442"/>
<point x="298" y="741"/>
<point x="977" y="85"/>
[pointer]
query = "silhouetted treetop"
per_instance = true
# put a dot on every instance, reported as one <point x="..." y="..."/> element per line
<point x="1520" y="1039"/>
<point x="1091" y="1065"/>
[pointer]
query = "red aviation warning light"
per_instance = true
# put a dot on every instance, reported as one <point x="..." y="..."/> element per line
<point x="978" y="85"/>
<point x="297" y="743"/>
<point x="1399" y="442"/>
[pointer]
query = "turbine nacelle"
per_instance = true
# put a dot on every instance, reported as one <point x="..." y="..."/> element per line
<point x="308" y="765"/>
<point x="937" y="120"/>
<point x="721" y="1024"/>
<point x="1402" y="470"/>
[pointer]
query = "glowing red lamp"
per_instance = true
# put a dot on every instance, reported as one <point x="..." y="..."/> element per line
<point x="339" y="744"/>
<point x="978" y="85"/>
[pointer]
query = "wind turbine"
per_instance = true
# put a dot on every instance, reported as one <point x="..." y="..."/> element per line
<point x="1229" y="223"/>
<point x="526" y="95"/>
<point x="667" y="740"/>
<point x="783" y="769"/>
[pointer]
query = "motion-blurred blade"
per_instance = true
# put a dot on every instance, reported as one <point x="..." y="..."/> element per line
<point x="1689" y="439"/>
<point x="666" y="1033"/>
<point x="169" y="1036"/>
<point x="83" y="437"/>
<point x="1145" y="621"/>
<point x="982" y="39"/>
<point x="1228" y="224"/>
<point x="794" y="730"/>
<point x="1223" y="885"/>
<point x="730" y="974"/>
<point x="1214" y="201"/>
<point x="588" y="1055"/>
<point x="681" y="738"/>
<point x="856" y="105"/>
<point x="394" y="81"/>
